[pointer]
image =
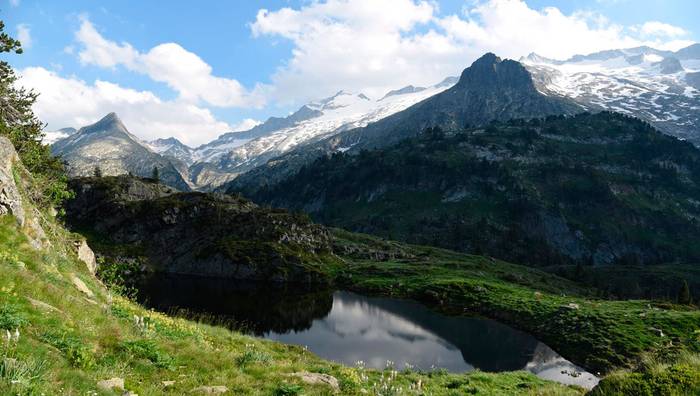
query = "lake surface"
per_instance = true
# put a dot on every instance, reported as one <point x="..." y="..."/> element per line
<point x="349" y="328"/>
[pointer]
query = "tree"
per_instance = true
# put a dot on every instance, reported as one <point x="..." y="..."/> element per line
<point x="684" y="294"/>
<point x="97" y="172"/>
<point x="19" y="124"/>
<point x="156" y="174"/>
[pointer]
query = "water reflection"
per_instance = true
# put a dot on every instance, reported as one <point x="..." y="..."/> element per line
<point x="346" y="327"/>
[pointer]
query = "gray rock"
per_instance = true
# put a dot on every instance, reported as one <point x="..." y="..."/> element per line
<point x="115" y="383"/>
<point x="10" y="199"/>
<point x="318" y="379"/>
<point x="86" y="255"/>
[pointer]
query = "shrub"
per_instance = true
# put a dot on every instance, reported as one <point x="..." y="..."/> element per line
<point x="147" y="349"/>
<point x="10" y="317"/>
<point x="288" y="390"/>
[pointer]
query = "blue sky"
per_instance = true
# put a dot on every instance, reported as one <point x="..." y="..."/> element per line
<point x="144" y="59"/>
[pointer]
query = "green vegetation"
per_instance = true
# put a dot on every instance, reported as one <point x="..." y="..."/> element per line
<point x="594" y="333"/>
<point x="69" y="342"/>
<point x="590" y="189"/>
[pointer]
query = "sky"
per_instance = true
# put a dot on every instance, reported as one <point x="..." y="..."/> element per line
<point x="194" y="70"/>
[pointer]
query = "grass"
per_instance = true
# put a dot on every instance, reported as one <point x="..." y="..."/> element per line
<point x="69" y="342"/>
<point x="598" y="334"/>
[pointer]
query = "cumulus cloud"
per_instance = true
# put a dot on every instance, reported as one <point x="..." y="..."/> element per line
<point x="377" y="46"/>
<point x="24" y="35"/>
<point x="72" y="102"/>
<point x="169" y="63"/>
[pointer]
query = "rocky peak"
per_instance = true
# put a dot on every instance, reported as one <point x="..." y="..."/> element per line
<point x="491" y="73"/>
<point x="669" y="65"/>
<point x="109" y="122"/>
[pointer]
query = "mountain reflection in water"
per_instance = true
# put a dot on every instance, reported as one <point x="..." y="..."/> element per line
<point x="347" y="327"/>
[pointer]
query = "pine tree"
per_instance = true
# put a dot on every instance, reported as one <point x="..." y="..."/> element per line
<point x="684" y="294"/>
<point x="97" y="172"/>
<point x="156" y="174"/>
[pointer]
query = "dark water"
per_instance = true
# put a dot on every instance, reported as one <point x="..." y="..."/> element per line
<point x="350" y="328"/>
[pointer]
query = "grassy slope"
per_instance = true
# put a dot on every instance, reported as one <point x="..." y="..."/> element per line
<point x="597" y="334"/>
<point x="68" y="347"/>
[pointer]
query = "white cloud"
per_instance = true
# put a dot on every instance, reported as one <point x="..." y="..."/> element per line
<point x="102" y="52"/>
<point x="656" y="28"/>
<point x="24" y="35"/>
<point x="14" y="3"/>
<point x="72" y="102"/>
<point x="169" y="63"/>
<point x="245" y="125"/>
<point x="370" y="46"/>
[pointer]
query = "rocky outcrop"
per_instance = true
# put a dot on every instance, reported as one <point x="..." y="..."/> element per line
<point x="10" y="199"/>
<point x="86" y="255"/>
<point x="196" y="233"/>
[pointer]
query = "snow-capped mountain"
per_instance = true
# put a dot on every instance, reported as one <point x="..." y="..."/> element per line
<point x="171" y="147"/>
<point x="324" y="118"/>
<point x="661" y="87"/>
<point x="232" y="153"/>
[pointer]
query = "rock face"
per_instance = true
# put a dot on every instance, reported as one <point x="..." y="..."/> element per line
<point x="10" y="199"/>
<point x="86" y="255"/>
<point x="490" y="89"/>
<point x="109" y="145"/>
<point x="197" y="233"/>
<point x="592" y="189"/>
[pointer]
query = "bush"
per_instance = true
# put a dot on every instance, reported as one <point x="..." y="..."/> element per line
<point x="10" y="317"/>
<point x="147" y="349"/>
<point x="77" y="354"/>
<point x="288" y="390"/>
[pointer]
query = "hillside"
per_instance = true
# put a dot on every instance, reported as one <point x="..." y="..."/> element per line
<point x="157" y="229"/>
<point x="589" y="189"/>
<point x="78" y="337"/>
<point x="490" y="89"/>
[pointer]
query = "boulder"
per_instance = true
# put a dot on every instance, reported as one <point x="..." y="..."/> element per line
<point x="318" y="379"/>
<point x="86" y="255"/>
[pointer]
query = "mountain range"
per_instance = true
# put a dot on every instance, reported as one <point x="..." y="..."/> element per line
<point x="661" y="87"/>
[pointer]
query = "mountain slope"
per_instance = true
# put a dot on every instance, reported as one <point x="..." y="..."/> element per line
<point x="238" y="152"/>
<point x="589" y="189"/>
<point x="490" y="89"/>
<point x="109" y="145"/>
<point x="657" y="86"/>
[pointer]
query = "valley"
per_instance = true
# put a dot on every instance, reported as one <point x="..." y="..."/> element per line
<point x="527" y="228"/>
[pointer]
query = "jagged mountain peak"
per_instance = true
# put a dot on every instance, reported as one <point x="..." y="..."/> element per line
<point x="109" y="123"/>
<point x="491" y="73"/>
